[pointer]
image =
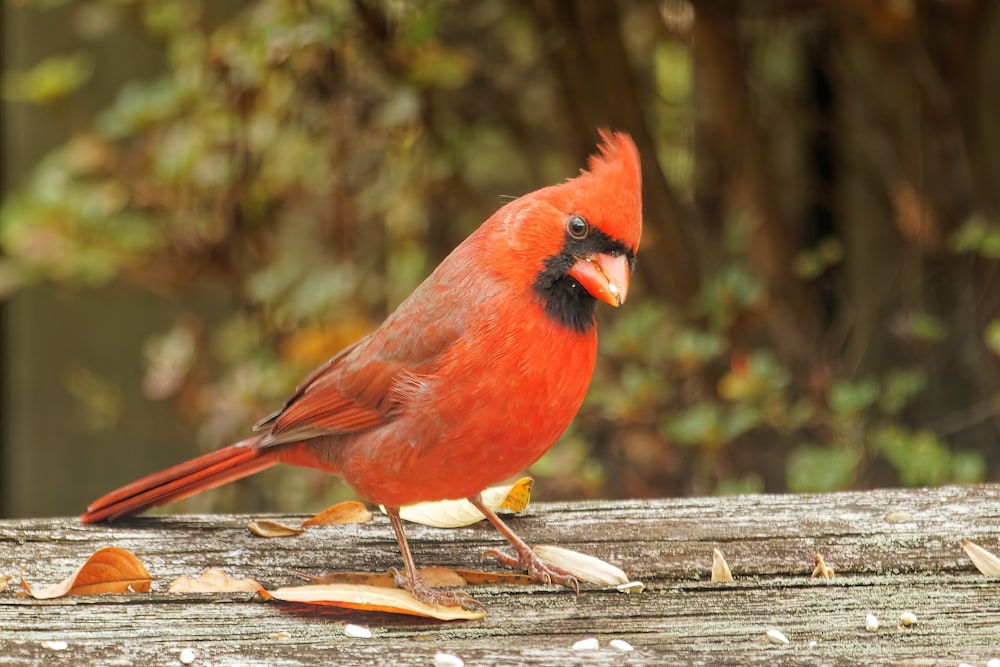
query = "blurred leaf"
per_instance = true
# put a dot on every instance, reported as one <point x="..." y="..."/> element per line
<point x="901" y="386"/>
<point x="747" y="484"/>
<point x="978" y="235"/>
<point x="709" y="424"/>
<point x="817" y="260"/>
<point x="729" y="293"/>
<point x="811" y="468"/>
<point x="920" y="327"/>
<point x="920" y="457"/>
<point x="169" y="359"/>
<point x="968" y="467"/>
<point x="852" y="397"/>
<point x="758" y="377"/>
<point x="991" y="336"/>
<point x="692" y="348"/>
<point x="100" y="398"/>
<point x="50" y="80"/>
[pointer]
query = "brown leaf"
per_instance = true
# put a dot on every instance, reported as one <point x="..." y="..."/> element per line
<point x="369" y="598"/>
<point x="4" y="580"/>
<point x="478" y="578"/>
<point x="270" y="528"/>
<point x="212" y="580"/>
<point x="434" y="576"/>
<point x="349" y="511"/>
<point x="985" y="561"/>
<point x="108" y="570"/>
<point x="382" y="579"/>
<point x="441" y="577"/>
<point x="720" y="568"/>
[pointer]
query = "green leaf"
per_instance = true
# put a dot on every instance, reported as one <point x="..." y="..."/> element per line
<point x="977" y="235"/>
<point x="900" y="387"/>
<point x="991" y="336"/>
<point x="920" y="457"/>
<point x="811" y="468"/>
<point x="923" y="327"/>
<point x="50" y="80"/>
<point x="850" y="398"/>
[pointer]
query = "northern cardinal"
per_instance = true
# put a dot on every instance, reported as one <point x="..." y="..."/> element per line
<point x="469" y="381"/>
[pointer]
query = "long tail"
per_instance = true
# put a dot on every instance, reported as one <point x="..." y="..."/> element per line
<point x="186" y="479"/>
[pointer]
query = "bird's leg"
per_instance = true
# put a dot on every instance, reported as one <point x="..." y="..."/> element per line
<point x="411" y="581"/>
<point x="526" y="559"/>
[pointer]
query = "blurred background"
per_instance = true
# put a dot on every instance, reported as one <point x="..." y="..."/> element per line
<point x="204" y="199"/>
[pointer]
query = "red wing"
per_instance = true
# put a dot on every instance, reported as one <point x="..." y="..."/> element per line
<point x="368" y="383"/>
<point x="331" y="402"/>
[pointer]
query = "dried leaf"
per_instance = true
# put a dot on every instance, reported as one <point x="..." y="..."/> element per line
<point x="349" y="511"/>
<point x="822" y="570"/>
<point x="583" y="567"/>
<point x="513" y="498"/>
<point x="270" y="528"/>
<point x="212" y="580"/>
<point x="4" y="580"/>
<point x="369" y="598"/>
<point x="380" y="579"/>
<point x="432" y="576"/>
<point x="478" y="578"/>
<point x="436" y="576"/>
<point x="457" y="513"/>
<point x="108" y="570"/>
<point x="720" y="568"/>
<point x="985" y="561"/>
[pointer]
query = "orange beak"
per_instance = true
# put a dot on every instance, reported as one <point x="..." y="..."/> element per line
<point x="604" y="276"/>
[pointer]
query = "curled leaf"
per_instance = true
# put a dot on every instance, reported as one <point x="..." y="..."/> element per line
<point x="212" y="580"/>
<point x="985" y="561"/>
<point x="583" y="567"/>
<point x="270" y="528"/>
<point x="720" y="568"/>
<point x="457" y="513"/>
<point x="108" y="570"/>
<point x="369" y="598"/>
<point x="4" y="580"/>
<point x="349" y="511"/>
<point x="822" y="570"/>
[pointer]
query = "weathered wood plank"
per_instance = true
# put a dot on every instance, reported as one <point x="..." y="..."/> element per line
<point x="913" y="562"/>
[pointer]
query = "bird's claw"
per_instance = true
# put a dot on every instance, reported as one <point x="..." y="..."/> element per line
<point x="434" y="597"/>
<point x="528" y="561"/>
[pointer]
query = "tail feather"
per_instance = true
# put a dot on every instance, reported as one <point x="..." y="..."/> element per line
<point x="185" y="479"/>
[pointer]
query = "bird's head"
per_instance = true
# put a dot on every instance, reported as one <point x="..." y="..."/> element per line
<point x="579" y="238"/>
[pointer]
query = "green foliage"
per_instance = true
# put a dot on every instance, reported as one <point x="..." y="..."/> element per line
<point x="811" y="468"/>
<point x="50" y="80"/>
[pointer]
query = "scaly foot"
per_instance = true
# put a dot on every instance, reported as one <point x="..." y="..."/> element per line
<point x="433" y="596"/>
<point x="528" y="561"/>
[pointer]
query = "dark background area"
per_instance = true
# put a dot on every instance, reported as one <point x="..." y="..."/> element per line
<point x="203" y="200"/>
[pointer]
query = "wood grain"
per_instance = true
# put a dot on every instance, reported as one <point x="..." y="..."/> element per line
<point x="893" y="551"/>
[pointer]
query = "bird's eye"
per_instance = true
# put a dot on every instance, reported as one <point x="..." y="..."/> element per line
<point x="577" y="227"/>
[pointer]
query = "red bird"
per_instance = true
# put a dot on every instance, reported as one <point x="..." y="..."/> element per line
<point x="469" y="381"/>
